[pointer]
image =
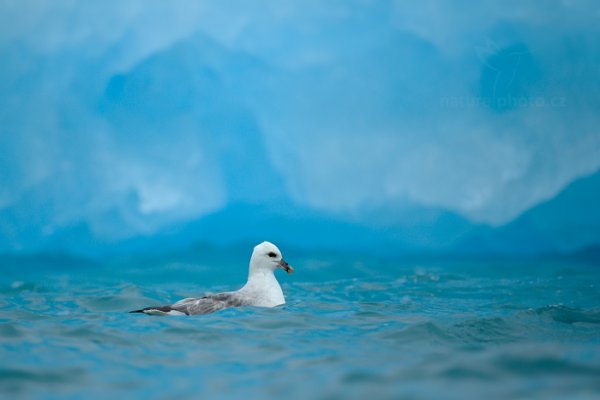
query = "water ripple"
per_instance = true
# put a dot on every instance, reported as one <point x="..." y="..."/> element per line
<point x="423" y="333"/>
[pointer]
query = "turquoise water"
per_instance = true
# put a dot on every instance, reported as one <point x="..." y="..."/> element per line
<point x="352" y="328"/>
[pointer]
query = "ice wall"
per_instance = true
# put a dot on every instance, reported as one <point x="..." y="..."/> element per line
<point x="122" y="118"/>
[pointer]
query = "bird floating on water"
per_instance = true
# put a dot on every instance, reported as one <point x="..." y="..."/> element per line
<point x="261" y="289"/>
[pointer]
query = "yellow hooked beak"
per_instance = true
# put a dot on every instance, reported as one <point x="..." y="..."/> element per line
<point x="285" y="266"/>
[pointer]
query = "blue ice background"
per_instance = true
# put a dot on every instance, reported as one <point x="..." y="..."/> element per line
<point x="397" y="127"/>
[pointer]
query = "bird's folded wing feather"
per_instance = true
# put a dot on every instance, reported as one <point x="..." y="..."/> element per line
<point x="210" y="303"/>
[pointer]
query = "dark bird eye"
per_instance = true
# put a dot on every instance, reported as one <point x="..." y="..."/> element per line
<point x="271" y="254"/>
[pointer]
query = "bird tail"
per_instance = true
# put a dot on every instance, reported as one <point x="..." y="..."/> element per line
<point x="160" y="310"/>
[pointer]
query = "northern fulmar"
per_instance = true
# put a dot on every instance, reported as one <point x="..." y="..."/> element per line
<point x="261" y="289"/>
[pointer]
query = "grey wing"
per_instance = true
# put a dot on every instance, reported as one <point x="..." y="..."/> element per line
<point x="210" y="303"/>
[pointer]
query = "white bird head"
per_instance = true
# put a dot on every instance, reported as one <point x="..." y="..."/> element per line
<point x="266" y="257"/>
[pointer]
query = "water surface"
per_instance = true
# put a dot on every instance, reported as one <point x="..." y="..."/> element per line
<point x="351" y="328"/>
